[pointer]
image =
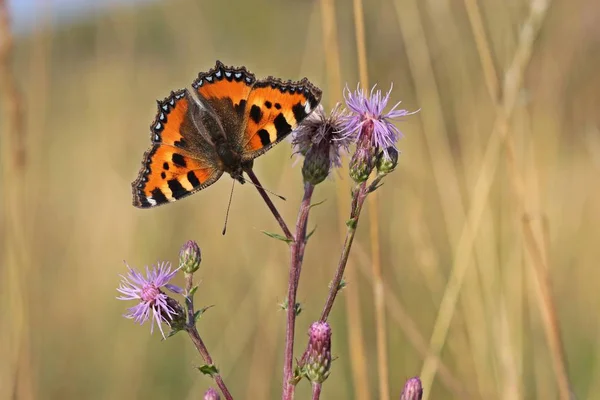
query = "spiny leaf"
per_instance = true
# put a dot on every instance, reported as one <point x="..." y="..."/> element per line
<point x="284" y="306"/>
<point x="199" y="313"/>
<point x="317" y="204"/>
<point x="208" y="369"/>
<point x="173" y="333"/>
<point x="310" y="234"/>
<point x="193" y="291"/>
<point x="278" y="237"/>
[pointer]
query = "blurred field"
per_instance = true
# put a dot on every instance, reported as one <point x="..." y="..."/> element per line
<point x="88" y="94"/>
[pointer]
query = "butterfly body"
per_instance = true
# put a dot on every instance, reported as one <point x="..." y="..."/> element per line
<point x="222" y="126"/>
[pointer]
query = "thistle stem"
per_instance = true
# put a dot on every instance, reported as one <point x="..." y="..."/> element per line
<point x="296" y="257"/>
<point x="316" y="393"/>
<point x="358" y="199"/>
<point x="270" y="204"/>
<point x="197" y="340"/>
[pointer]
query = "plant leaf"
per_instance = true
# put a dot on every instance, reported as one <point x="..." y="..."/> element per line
<point x="208" y="369"/>
<point x="310" y="234"/>
<point x="199" y="313"/>
<point x="317" y="204"/>
<point x="278" y="237"/>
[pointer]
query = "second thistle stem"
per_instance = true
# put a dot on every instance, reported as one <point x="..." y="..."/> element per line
<point x="197" y="340"/>
<point x="296" y="257"/>
<point x="358" y="199"/>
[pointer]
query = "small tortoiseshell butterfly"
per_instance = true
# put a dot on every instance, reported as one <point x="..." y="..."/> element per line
<point x="231" y="119"/>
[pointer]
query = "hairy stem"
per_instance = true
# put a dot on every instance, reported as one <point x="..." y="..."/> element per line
<point x="197" y="340"/>
<point x="358" y="199"/>
<point x="296" y="257"/>
<point x="270" y="204"/>
<point x="316" y="391"/>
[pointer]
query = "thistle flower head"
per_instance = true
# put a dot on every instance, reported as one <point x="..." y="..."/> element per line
<point x="211" y="394"/>
<point x="366" y="117"/>
<point x="371" y="128"/>
<point x="190" y="257"/>
<point x="153" y="303"/>
<point x="316" y="360"/>
<point x="413" y="389"/>
<point x="320" y="140"/>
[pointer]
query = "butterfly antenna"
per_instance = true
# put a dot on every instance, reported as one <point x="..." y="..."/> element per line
<point x="267" y="190"/>
<point x="228" y="207"/>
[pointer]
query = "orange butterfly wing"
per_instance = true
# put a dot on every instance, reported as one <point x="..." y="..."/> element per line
<point x="179" y="162"/>
<point x="274" y="109"/>
<point x="226" y="90"/>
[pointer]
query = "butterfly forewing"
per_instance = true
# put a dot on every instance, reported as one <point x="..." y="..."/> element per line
<point x="180" y="161"/>
<point x="274" y="110"/>
<point x="225" y="91"/>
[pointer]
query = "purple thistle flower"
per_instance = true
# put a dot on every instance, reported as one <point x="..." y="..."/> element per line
<point x="367" y="123"/>
<point x="321" y="141"/>
<point x="413" y="389"/>
<point x="152" y="300"/>
<point x="211" y="394"/>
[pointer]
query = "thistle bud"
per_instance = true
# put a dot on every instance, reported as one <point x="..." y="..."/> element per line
<point x="190" y="257"/>
<point x="316" y="361"/>
<point x="211" y="394"/>
<point x="176" y="318"/>
<point x="387" y="161"/>
<point x="413" y="389"/>
<point x="362" y="164"/>
<point x="316" y="164"/>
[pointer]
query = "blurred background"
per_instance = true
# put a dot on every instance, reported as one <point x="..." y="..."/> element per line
<point x="476" y="267"/>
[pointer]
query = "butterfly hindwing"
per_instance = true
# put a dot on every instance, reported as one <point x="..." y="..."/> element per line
<point x="180" y="161"/>
<point x="274" y="109"/>
<point x="171" y="174"/>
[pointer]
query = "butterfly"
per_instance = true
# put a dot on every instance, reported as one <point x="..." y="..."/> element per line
<point x="228" y="120"/>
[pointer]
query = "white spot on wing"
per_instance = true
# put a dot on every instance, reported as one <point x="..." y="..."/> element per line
<point x="158" y="125"/>
<point x="151" y="201"/>
<point x="307" y="107"/>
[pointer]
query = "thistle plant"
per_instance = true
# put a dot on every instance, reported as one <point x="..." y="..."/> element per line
<point x="153" y="303"/>
<point x="361" y="131"/>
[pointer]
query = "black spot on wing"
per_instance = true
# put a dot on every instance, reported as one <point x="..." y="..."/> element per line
<point x="193" y="179"/>
<point x="178" y="160"/>
<point x="166" y="166"/>
<point x="299" y="112"/>
<point x="176" y="188"/>
<point x="255" y="113"/>
<point x="278" y="106"/>
<point x="264" y="137"/>
<point x="163" y="175"/>
<point x="240" y="108"/>
<point x="181" y="143"/>
<point x="159" y="196"/>
<point x="281" y="125"/>
<point x="268" y="104"/>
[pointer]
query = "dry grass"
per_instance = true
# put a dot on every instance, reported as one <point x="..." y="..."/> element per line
<point x="486" y="232"/>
